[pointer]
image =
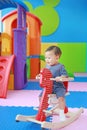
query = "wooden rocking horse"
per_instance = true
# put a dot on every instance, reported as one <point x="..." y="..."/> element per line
<point x="46" y="82"/>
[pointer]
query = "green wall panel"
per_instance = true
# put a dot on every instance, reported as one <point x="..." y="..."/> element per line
<point x="73" y="56"/>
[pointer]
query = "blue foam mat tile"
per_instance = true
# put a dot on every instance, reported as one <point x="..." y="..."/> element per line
<point x="80" y="79"/>
<point x="32" y="85"/>
<point x="8" y="115"/>
<point x="77" y="99"/>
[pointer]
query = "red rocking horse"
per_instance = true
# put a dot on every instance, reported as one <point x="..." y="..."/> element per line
<point x="46" y="82"/>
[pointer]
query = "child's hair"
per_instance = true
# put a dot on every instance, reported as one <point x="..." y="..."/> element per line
<point x="56" y="49"/>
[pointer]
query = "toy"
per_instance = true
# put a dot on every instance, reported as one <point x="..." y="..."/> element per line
<point x="40" y="118"/>
<point x="20" y="36"/>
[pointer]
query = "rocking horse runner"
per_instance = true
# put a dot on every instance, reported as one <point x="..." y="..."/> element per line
<point x="40" y="118"/>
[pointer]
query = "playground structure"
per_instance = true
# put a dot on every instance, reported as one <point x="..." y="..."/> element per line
<point x="20" y="38"/>
<point x="32" y="45"/>
<point x="46" y="83"/>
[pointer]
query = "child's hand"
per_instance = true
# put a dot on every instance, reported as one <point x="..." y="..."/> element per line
<point x="38" y="76"/>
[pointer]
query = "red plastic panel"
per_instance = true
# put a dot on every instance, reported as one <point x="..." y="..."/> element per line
<point x="5" y="66"/>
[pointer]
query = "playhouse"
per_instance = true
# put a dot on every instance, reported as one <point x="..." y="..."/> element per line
<point x="20" y="38"/>
<point x="33" y="30"/>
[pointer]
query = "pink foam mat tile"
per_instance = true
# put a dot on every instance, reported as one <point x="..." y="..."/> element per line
<point x="21" y="98"/>
<point x="77" y="86"/>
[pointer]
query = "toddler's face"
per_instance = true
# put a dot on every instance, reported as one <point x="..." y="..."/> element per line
<point x="51" y="58"/>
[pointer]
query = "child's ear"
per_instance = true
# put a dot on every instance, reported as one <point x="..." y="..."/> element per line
<point x="57" y="57"/>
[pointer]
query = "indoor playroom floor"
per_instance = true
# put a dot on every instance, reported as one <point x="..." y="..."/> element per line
<point x="23" y="102"/>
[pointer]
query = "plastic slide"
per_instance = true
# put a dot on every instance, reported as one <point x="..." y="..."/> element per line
<point x="5" y="67"/>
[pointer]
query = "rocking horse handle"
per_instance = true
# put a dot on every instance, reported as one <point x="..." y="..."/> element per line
<point x="63" y="79"/>
<point x="60" y="78"/>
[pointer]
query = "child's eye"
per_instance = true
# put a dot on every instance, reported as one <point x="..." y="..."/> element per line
<point x="47" y="58"/>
